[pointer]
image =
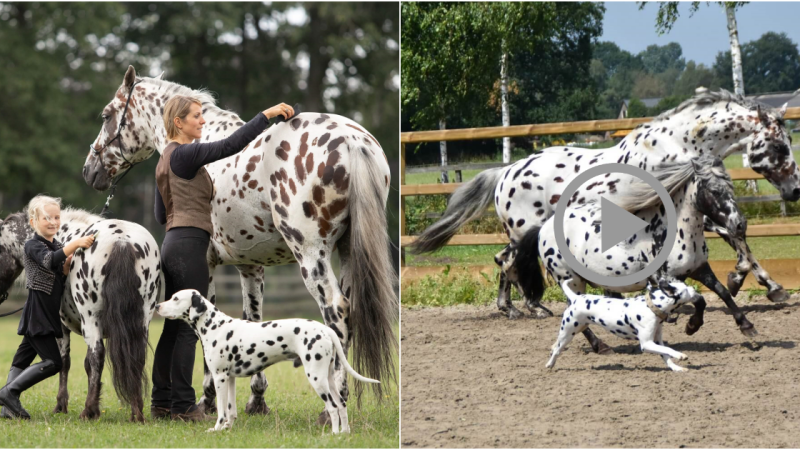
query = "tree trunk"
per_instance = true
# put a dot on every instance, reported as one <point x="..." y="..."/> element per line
<point x="443" y="150"/>
<point x="738" y="78"/>
<point x="504" y="106"/>
<point x="318" y="62"/>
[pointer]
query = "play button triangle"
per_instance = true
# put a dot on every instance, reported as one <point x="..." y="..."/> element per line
<point x="618" y="224"/>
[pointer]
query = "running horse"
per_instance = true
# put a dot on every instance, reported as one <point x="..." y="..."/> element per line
<point x="302" y="189"/>
<point x="525" y="193"/>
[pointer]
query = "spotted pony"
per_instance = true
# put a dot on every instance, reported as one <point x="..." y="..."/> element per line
<point x="525" y="193"/>
<point x="111" y="293"/>
<point x="299" y="191"/>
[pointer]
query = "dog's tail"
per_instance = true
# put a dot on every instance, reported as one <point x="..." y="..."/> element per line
<point x="343" y="358"/>
<point x="567" y="291"/>
<point x="124" y="323"/>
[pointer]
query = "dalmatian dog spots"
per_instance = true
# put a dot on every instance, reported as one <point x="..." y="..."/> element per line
<point x="639" y="318"/>
<point x="235" y="348"/>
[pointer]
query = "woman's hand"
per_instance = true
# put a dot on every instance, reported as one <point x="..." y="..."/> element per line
<point x="67" y="264"/>
<point x="279" y="110"/>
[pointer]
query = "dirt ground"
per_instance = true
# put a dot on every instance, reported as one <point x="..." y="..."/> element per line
<point x="472" y="378"/>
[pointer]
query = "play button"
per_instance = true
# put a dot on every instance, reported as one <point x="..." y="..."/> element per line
<point x="618" y="224"/>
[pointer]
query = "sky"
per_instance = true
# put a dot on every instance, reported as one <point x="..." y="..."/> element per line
<point x="701" y="36"/>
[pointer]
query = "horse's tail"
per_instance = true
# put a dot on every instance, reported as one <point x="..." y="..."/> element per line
<point x="123" y="323"/>
<point x="466" y="203"/>
<point x="529" y="272"/>
<point x="372" y="297"/>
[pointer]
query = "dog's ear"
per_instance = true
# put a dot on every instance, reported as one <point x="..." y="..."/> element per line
<point x="667" y="288"/>
<point x="198" y="304"/>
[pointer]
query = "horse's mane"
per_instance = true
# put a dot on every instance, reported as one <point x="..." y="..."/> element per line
<point x="673" y="176"/>
<point x="80" y="215"/>
<point x="709" y="98"/>
<point x="171" y="88"/>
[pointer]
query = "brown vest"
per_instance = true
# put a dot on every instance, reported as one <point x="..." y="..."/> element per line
<point x="188" y="202"/>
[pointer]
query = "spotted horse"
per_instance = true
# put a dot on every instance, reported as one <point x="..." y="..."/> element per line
<point x="302" y="189"/>
<point x="718" y="123"/>
<point x="111" y="293"/>
<point x="699" y="187"/>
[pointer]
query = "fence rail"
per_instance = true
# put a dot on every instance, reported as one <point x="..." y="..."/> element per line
<point x="789" y="277"/>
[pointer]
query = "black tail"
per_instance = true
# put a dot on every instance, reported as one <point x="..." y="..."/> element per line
<point x="123" y="323"/>
<point x="531" y="279"/>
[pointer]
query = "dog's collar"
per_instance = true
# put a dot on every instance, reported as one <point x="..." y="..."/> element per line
<point x="657" y="311"/>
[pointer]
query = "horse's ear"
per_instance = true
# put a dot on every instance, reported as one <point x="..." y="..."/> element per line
<point x="762" y="116"/>
<point x="130" y="78"/>
<point x="696" y="165"/>
<point x="782" y="111"/>
<point x="160" y="76"/>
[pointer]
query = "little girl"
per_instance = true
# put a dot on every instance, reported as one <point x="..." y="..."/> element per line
<point x="47" y="263"/>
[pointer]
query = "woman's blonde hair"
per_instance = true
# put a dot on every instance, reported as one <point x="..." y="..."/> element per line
<point x="36" y="208"/>
<point x="177" y="106"/>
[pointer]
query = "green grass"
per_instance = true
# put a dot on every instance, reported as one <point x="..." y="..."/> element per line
<point x="291" y="423"/>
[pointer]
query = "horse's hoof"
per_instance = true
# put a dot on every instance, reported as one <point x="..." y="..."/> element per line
<point x="88" y="414"/>
<point x="60" y="409"/>
<point x="323" y="419"/>
<point x="138" y="418"/>
<point x="693" y="325"/>
<point x="778" y="295"/>
<point x="749" y="331"/>
<point x="207" y="408"/>
<point x="734" y="283"/>
<point x="541" y="314"/>
<point x="604" y="349"/>
<point x="257" y="406"/>
<point x="515" y="314"/>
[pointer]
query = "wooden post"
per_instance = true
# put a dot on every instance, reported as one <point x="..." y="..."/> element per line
<point x="402" y="202"/>
<point x="458" y="176"/>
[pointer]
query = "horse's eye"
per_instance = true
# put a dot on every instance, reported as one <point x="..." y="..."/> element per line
<point x="105" y="117"/>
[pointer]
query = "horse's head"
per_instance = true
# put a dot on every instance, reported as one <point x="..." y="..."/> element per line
<point x="715" y="196"/>
<point x="770" y="152"/>
<point x="126" y="136"/>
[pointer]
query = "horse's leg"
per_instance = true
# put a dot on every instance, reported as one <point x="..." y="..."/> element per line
<point x="206" y="402"/>
<point x="578" y="286"/>
<point x="746" y="262"/>
<point x="252" y="279"/>
<point x="95" y="359"/>
<point x="704" y="275"/>
<point x="504" y="286"/>
<point x="62" y="399"/>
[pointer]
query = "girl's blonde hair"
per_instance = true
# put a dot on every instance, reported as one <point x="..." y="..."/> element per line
<point x="36" y="208"/>
<point x="177" y="106"/>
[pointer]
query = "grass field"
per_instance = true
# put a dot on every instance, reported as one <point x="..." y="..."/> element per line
<point x="291" y="423"/>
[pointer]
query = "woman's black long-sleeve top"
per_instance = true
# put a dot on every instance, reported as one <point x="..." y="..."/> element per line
<point x="187" y="159"/>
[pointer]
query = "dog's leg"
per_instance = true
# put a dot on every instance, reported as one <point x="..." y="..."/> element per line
<point x="232" y="411"/>
<point x="578" y="286"/>
<point x="651" y="347"/>
<point x="565" y="336"/>
<point x="670" y="363"/>
<point x="62" y="399"/>
<point x="222" y="409"/>
<point x="252" y="279"/>
<point x="341" y="410"/>
<point x="206" y="402"/>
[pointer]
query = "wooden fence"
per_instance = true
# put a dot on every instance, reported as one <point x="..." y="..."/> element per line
<point x="786" y="272"/>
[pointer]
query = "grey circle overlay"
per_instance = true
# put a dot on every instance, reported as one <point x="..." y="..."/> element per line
<point x="624" y="280"/>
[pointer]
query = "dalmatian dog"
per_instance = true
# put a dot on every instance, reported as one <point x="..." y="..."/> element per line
<point x="236" y="348"/>
<point x="639" y="318"/>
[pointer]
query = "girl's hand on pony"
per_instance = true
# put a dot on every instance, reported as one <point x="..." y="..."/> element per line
<point x="85" y="242"/>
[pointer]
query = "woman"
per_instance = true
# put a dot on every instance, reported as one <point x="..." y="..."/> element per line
<point x="183" y="203"/>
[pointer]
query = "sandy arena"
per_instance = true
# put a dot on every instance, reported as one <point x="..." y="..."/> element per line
<point x="473" y="378"/>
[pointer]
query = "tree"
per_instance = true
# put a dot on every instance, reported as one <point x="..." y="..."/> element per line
<point x="695" y="76"/>
<point x="771" y="63"/>
<point x="636" y="108"/>
<point x="668" y="15"/>
<point x="657" y="59"/>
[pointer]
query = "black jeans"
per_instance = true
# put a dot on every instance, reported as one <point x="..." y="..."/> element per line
<point x="183" y="261"/>
<point x="45" y="346"/>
